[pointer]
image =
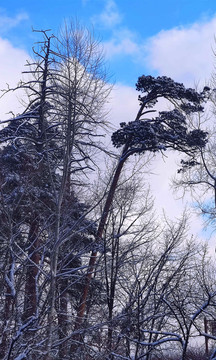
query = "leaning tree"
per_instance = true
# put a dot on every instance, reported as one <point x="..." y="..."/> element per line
<point x="167" y="130"/>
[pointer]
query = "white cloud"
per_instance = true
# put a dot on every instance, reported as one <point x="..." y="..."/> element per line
<point x="7" y="22"/>
<point x="12" y="61"/>
<point x="122" y="43"/>
<point x="109" y="17"/>
<point x="183" y="53"/>
<point x="123" y="104"/>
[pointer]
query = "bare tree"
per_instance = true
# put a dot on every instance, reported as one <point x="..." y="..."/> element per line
<point x="52" y="144"/>
<point x="129" y="226"/>
<point x="166" y="298"/>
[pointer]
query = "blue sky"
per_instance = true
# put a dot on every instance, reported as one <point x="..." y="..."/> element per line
<point x="132" y="31"/>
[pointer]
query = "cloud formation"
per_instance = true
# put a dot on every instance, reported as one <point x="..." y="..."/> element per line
<point x="122" y="43"/>
<point x="12" y="61"/>
<point x="7" y="22"/>
<point x="109" y="17"/>
<point x="123" y="104"/>
<point x="183" y="53"/>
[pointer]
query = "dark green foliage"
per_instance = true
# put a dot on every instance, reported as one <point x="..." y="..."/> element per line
<point x="169" y="129"/>
<point x="165" y="87"/>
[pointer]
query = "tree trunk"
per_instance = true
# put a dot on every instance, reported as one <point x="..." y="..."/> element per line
<point x="93" y="258"/>
<point x="30" y="304"/>
<point x="8" y="310"/>
<point x="62" y="318"/>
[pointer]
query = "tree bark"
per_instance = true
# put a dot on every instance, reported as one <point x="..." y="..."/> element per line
<point x="62" y="318"/>
<point x="93" y="258"/>
<point x="7" y="312"/>
<point x="30" y="304"/>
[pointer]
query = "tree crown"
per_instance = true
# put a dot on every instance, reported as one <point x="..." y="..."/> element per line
<point x="169" y="129"/>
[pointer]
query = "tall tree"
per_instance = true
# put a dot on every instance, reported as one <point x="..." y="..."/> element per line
<point x="44" y="149"/>
<point x="168" y="130"/>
